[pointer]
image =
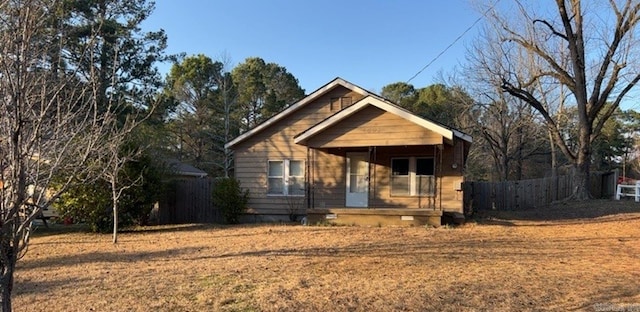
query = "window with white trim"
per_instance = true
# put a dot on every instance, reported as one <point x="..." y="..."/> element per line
<point x="285" y="177"/>
<point x="413" y="176"/>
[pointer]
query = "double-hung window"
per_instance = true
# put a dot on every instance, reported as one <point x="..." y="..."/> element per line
<point x="412" y="176"/>
<point x="285" y="177"/>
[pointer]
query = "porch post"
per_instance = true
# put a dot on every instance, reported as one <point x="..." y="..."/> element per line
<point x="373" y="157"/>
<point x="369" y="177"/>
<point x="439" y="185"/>
<point x="307" y="178"/>
<point x="314" y="163"/>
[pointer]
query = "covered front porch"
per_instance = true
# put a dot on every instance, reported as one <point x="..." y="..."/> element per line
<point x="374" y="177"/>
<point x="376" y="164"/>
<point x="375" y="186"/>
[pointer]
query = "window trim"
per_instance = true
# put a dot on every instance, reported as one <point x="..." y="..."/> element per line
<point x="286" y="177"/>
<point x="413" y="177"/>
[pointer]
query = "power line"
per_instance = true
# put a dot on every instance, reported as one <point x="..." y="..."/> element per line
<point x="454" y="41"/>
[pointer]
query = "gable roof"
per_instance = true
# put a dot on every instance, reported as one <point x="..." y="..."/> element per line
<point x="381" y="103"/>
<point x="181" y="169"/>
<point x="301" y="103"/>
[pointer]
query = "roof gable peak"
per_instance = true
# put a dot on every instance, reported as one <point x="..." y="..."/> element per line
<point x="299" y="104"/>
<point x="387" y="106"/>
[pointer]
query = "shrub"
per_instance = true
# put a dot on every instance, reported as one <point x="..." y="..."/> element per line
<point x="229" y="197"/>
<point x="91" y="202"/>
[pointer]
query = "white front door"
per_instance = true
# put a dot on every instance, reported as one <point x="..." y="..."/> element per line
<point x="357" y="180"/>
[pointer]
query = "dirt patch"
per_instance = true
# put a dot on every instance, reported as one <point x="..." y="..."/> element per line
<point x="576" y="263"/>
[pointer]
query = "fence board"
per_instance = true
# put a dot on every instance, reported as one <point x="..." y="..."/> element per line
<point x="188" y="201"/>
<point x="528" y="194"/>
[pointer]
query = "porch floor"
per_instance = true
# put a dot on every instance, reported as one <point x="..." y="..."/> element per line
<point x="374" y="216"/>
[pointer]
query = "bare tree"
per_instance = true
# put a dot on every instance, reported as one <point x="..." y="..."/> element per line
<point x="506" y="127"/>
<point x="228" y="102"/>
<point x="114" y="157"/>
<point x="226" y="108"/>
<point x="601" y="68"/>
<point x="52" y="128"/>
<point x="508" y="131"/>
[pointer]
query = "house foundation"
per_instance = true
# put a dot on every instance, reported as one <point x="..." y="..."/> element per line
<point x="374" y="216"/>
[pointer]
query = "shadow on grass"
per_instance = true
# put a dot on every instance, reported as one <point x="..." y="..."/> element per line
<point x="170" y="228"/>
<point x="57" y="229"/>
<point x="571" y="212"/>
<point x="44" y="287"/>
<point x="613" y="298"/>
<point x="108" y="257"/>
<point x="269" y="227"/>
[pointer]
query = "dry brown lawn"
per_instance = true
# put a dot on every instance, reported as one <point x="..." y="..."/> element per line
<point x="582" y="256"/>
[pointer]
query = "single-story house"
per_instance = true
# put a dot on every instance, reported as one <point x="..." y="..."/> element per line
<point x="348" y="156"/>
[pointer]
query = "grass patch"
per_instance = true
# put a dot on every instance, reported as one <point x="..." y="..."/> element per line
<point x="523" y="264"/>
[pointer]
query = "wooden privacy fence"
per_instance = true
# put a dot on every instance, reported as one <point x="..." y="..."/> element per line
<point x="527" y="194"/>
<point x="187" y="201"/>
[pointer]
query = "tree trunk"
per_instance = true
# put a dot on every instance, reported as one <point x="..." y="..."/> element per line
<point x="554" y="160"/>
<point x="6" y="280"/>
<point x="583" y="164"/>
<point x="582" y="181"/>
<point x="115" y="223"/>
<point x="519" y="157"/>
<point x="7" y="285"/>
<point x="504" y="167"/>
<point x="115" y="198"/>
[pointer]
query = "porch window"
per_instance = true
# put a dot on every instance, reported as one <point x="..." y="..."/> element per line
<point x="296" y="178"/>
<point x="425" y="178"/>
<point x="412" y="176"/>
<point x="400" y="176"/>
<point x="285" y="177"/>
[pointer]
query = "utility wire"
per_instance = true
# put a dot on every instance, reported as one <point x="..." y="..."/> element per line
<point x="454" y="41"/>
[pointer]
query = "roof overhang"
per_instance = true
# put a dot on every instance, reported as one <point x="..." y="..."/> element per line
<point x="314" y="95"/>
<point x="382" y="104"/>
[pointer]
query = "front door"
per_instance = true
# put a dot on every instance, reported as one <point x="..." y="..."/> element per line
<point x="357" y="180"/>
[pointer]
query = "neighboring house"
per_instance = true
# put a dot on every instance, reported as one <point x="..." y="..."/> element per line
<point x="345" y="155"/>
<point x="182" y="170"/>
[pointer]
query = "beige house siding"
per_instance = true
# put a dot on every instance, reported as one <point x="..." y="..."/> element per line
<point x="374" y="127"/>
<point x="328" y="176"/>
<point x="276" y="143"/>
<point x="329" y="179"/>
<point x="386" y="134"/>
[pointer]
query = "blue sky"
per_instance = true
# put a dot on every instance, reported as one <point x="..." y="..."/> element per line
<point x="370" y="43"/>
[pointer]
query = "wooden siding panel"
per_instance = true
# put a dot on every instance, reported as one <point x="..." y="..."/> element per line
<point x="276" y="142"/>
<point x="279" y="136"/>
<point x="328" y="179"/>
<point x="378" y="141"/>
<point x="330" y="185"/>
<point x="374" y="127"/>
